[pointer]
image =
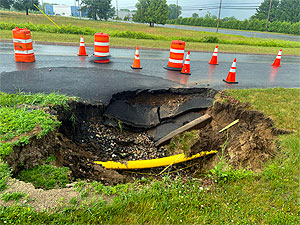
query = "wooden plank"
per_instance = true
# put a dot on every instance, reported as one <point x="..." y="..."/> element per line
<point x="197" y="123"/>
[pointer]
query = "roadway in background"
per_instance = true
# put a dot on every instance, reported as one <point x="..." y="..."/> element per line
<point x="256" y="34"/>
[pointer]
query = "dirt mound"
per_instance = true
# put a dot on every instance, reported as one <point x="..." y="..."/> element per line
<point x="249" y="142"/>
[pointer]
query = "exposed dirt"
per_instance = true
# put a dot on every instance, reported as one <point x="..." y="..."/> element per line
<point x="250" y="142"/>
<point x="38" y="198"/>
<point x="30" y="155"/>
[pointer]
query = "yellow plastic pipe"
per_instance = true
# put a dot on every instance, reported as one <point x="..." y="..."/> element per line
<point x="151" y="163"/>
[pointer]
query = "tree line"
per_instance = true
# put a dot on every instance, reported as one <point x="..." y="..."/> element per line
<point x="253" y="24"/>
<point x="284" y="14"/>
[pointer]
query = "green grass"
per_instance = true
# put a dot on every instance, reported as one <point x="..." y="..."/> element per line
<point x="268" y="197"/>
<point x="22" y="116"/>
<point x="39" y="99"/>
<point x="15" y="196"/>
<point x="46" y="176"/>
<point x="138" y="32"/>
<point x="5" y="173"/>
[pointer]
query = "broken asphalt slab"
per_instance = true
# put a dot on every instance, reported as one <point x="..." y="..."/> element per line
<point x="156" y="110"/>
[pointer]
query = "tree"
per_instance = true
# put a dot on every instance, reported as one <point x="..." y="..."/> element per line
<point x="289" y="11"/>
<point x="195" y="15"/>
<point x="6" y="4"/>
<point x="26" y="5"/>
<point x="263" y="10"/>
<point x="95" y="9"/>
<point x="229" y="18"/>
<point x="172" y="8"/>
<point x="284" y="10"/>
<point x="151" y="11"/>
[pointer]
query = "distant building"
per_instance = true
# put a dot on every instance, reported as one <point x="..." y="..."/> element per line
<point x="123" y="14"/>
<point x="64" y="10"/>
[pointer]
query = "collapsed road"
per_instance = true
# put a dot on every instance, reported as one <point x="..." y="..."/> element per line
<point x="126" y="128"/>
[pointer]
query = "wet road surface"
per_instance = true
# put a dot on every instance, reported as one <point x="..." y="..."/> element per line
<point x="253" y="71"/>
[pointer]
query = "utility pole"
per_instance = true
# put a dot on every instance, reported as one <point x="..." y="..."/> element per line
<point x="79" y="3"/>
<point x="75" y="14"/>
<point x="269" y="15"/>
<point x="176" y="10"/>
<point x="219" y="16"/>
<point x="117" y="9"/>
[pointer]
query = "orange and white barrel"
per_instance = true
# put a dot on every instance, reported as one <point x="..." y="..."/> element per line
<point x="101" y="48"/>
<point x="23" y="45"/>
<point x="176" y="55"/>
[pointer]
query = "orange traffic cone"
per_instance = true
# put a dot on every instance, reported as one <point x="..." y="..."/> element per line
<point x="231" y="75"/>
<point x="136" y="62"/>
<point x="82" y="51"/>
<point x="278" y="59"/>
<point x="214" y="58"/>
<point x="186" y="66"/>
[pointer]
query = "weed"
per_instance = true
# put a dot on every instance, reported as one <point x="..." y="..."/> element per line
<point x="15" y="196"/>
<point x="183" y="142"/>
<point x="50" y="159"/>
<point x="73" y="119"/>
<point x="108" y="190"/>
<point x="74" y="201"/>
<point x="120" y="126"/>
<point x="80" y="185"/>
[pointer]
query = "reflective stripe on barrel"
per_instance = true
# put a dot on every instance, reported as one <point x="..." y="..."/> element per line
<point x="25" y="52"/>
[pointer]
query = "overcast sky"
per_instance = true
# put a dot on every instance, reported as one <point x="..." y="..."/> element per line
<point x="243" y="8"/>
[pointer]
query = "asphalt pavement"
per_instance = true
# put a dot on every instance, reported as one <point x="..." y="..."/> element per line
<point x="253" y="71"/>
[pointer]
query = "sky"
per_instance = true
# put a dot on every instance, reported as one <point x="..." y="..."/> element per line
<point x="243" y="9"/>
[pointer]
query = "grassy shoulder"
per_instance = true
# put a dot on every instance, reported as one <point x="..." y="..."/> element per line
<point x="130" y="35"/>
<point x="268" y="197"/>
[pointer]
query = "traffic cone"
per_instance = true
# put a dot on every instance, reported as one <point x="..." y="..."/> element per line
<point x="214" y="58"/>
<point x="186" y="67"/>
<point x="136" y="62"/>
<point x="231" y="75"/>
<point x="82" y="51"/>
<point x="278" y="59"/>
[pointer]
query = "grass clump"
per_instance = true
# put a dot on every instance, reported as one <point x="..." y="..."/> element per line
<point x="46" y="176"/>
<point x="19" y="124"/>
<point x="22" y="116"/>
<point x="5" y="173"/>
<point x="182" y="143"/>
<point x="15" y="196"/>
<point x="40" y="99"/>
